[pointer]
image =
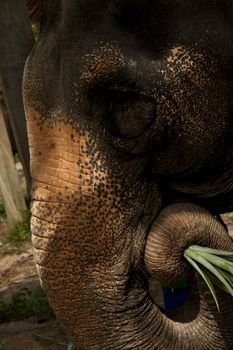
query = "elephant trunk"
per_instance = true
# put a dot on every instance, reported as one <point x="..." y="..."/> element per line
<point x="197" y="325"/>
<point x="176" y="228"/>
<point x="82" y="239"/>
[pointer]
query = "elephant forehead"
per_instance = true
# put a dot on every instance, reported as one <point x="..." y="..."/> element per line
<point x="108" y="60"/>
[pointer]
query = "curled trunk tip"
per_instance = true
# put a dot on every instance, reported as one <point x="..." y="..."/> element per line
<point x="176" y="228"/>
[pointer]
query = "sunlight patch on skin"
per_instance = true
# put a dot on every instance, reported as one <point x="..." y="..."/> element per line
<point x="95" y="63"/>
<point x="188" y="61"/>
<point x="58" y="155"/>
<point x="74" y="189"/>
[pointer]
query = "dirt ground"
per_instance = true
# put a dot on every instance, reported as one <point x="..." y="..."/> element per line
<point x="17" y="271"/>
<point x="29" y="335"/>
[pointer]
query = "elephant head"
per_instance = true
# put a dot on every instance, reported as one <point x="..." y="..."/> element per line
<point x="129" y="114"/>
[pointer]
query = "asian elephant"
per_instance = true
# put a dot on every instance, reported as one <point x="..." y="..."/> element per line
<point x="129" y="113"/>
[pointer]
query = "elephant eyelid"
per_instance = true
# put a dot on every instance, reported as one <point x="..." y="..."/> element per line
<point x="128" y="114"/>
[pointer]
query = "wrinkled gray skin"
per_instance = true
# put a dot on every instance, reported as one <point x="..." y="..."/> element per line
<point x="129" y="109"/>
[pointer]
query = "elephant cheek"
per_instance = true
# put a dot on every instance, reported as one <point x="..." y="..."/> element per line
<point x="56" y="151"/>
<point x="69" y="184"/>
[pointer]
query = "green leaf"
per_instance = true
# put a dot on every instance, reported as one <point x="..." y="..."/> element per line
<point x="219" y="262"/>
<point x="226" y="275"/>
<point x="211" y="251"/>
<point x="216" y="281"/>
<point x="229" y="258"/>
<point x="200" y="259"/>
<point x="204" y="276"/>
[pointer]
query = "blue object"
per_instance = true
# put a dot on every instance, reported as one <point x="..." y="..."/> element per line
<point x="175" y="297"/>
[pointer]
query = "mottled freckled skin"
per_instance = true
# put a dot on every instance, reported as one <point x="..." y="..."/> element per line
<point x="129" y="109"/>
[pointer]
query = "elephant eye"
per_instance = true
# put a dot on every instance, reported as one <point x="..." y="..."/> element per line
<point x="130" y="116"/>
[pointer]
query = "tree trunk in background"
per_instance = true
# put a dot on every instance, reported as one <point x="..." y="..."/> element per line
<point x="16" y="41"/>
<point x="13" y="197"/>
<point x="7" y="121"/>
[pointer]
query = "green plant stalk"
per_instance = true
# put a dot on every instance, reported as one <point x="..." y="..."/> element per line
<point x="219" y="262"/>
<point x="211" y="268"/>
<point x="210" y="250"/>
<point x="226" y="275"/>
<point x="214" y="266"/>
<point x="216" y="282"/>
<point x="206" y="278"/>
